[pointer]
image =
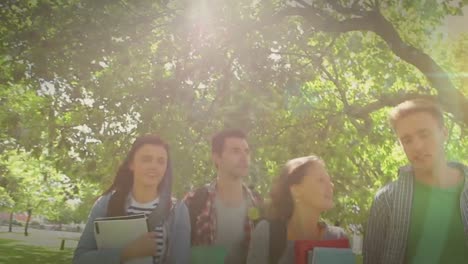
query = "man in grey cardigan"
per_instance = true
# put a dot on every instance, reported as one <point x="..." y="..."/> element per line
<point x="422" y="217"/>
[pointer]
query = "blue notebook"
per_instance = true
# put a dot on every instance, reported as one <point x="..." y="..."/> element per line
<point x="322" y="255"/>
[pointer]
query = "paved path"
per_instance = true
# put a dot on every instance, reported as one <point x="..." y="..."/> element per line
<point x="38" y="237"/>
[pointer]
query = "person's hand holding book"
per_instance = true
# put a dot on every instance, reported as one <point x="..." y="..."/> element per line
<point x="143" y="246"/>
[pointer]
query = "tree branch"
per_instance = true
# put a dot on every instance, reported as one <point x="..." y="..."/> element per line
<point x="363" y="112"/>
<point x="353" y="10"/>
<point x="303" y="3"/>
<point x="328" y="24"/>
<point x="452" y="99"/>
<point x="339" y="87"/>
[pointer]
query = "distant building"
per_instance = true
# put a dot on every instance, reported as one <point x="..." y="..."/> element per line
<point x="21" y="217"/>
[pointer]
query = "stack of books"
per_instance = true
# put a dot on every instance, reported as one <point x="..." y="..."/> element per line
<point x="324" y="255"/>
<point x="323" y="252"/>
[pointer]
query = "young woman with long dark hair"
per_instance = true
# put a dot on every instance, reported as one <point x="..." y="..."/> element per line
<point x="142" y="184"/>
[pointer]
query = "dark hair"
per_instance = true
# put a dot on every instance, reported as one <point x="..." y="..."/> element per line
<point x="218" y="140"/>
<point x="409" y="107"/>
<point x="281" y="203"/>
<point x="123" y="180"/>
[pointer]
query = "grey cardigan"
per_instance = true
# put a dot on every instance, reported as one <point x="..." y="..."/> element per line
<point x="388" y="226"/>
<point x="260" y="244"/>
<point x="177" y="225"/>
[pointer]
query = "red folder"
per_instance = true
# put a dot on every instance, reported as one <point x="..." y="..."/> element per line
<point x="301" y="247"/>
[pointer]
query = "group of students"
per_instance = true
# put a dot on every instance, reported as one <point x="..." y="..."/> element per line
<point x="422" y="217"/>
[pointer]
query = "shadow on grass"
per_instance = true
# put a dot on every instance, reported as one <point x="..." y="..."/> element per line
<point x="12" y="252"/>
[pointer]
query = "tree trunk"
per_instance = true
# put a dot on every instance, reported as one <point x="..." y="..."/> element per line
<point x="10" y="225"/>
<point x="27" y="222"/>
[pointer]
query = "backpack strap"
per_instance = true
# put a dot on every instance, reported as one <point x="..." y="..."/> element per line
<point x="196" y="206"/>
<point x="158" y="216"/>
<point x="277" y="242"/>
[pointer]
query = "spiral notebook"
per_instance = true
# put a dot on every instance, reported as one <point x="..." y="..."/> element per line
<point x="116" y="232"/>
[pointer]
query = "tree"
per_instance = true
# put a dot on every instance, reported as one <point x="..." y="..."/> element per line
<point x="81" y="79"/>
<point x="33" y="184"/>
<point x="5" y="199"/>
<point x="365" y="16"/>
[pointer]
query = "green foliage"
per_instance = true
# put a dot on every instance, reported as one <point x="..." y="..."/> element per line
<point x="81" y="79"/>
<point x="33" y="184"/>
<point x="5" y="200"/>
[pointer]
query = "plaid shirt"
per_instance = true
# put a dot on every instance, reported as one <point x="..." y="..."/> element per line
<point x="390" y="215"/>
<point x="205" y="227"/>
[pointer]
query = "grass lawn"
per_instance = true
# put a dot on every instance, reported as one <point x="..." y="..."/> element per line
<point x="15" y="252"/>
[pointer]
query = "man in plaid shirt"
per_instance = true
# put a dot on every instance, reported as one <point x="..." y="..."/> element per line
<point x="422" y="217"/>
<point x="222" y="213"/>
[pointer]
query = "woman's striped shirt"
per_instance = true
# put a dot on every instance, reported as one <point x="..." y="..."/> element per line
<point x="146" y="208"/>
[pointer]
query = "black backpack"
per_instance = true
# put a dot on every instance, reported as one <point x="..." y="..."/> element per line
<point x="196" y="206"/>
